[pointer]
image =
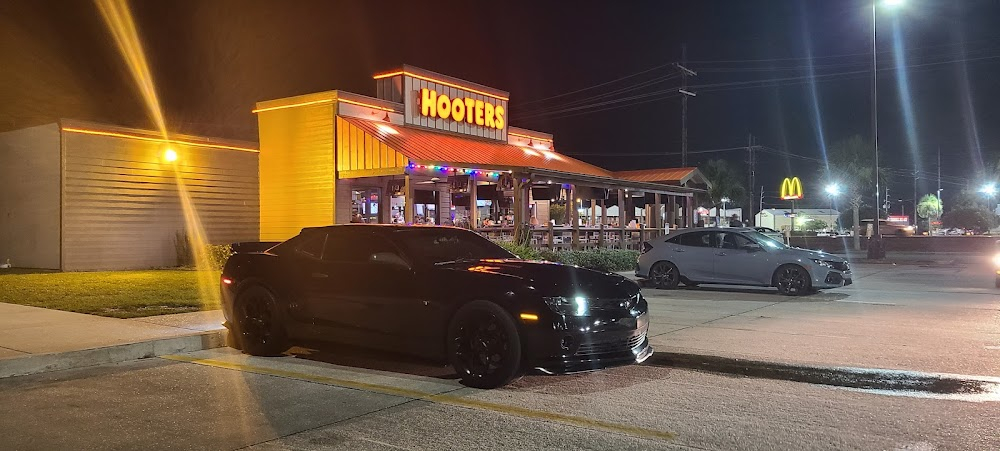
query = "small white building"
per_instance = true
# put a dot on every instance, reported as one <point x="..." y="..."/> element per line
<point x="780" y="219"/>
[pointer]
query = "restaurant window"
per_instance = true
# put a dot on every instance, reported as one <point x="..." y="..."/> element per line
<point x="364" y="205"/>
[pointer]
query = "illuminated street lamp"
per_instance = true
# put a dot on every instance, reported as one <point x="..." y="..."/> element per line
<point x="875" y="251"/>
<point x="833" y="190"/>
<point x="989" y="189"/>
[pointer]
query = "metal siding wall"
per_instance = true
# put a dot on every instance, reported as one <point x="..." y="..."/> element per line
<point x="30" y="166"/>
<point x="358" y="150"/>
<point x="122" y="208"/>
<point x="296" y="170"/>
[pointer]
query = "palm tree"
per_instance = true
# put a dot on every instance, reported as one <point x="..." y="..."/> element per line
<point x="723" y="182"/>
<point x="929" y="208"/>
<point x="852" y="168"/>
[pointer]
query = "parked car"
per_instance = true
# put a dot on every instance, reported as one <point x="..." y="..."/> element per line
<point x="771" y="233"/>
<point x="439" y="292"/>
<point x="738" y="257"/>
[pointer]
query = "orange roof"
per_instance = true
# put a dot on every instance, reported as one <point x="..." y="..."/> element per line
<point x="668" y="175"/>
<point x="429" y="146"/>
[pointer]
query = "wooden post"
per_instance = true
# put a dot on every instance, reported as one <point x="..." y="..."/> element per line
<point x="551" y="234"/>
<point x="689" y="211"/>
<point x="409" y="207"/>
<point x="574" y="216"/>
<point x="657" y="213"/>
<point x="473" y="211"/>
<point x="604" y="220"/>
<point x="672" y="211"/>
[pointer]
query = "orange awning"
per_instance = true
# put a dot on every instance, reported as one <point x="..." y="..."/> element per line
<point x="425" y="146"/>
<point x="672" y="176"/>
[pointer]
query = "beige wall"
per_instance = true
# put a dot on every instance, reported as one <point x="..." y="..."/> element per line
<point x="122" y="206"/>
<point x="29" y="197"/>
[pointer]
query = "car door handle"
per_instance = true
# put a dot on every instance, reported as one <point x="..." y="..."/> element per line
<point x="319" y="275"/>
<point x="679" y="250"/>
<point x="721" y="254"/>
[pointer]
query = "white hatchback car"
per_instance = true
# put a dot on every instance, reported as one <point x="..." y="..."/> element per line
<point x="738" y="256"/>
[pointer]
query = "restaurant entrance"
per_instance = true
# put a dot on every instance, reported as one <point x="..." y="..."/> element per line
<point x="364" y="205"/>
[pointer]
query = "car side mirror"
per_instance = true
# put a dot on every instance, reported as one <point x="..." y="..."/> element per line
<point x="752" y="247"/>
<point x="389" y="258"/>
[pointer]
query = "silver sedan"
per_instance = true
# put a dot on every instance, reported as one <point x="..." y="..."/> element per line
<point x="738" y="256"/>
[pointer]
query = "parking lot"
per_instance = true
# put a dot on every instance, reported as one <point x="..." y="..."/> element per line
<point x="939" y="318"/>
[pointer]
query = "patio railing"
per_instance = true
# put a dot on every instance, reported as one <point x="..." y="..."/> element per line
<point x="568" y="238"/>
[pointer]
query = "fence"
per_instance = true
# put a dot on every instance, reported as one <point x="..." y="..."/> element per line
<point x="568" y="238"/>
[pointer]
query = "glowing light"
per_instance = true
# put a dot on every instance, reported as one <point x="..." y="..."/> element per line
<point x="119" y="21"/>
<point x="529" y="317"/>
<point x="227" y="281"/>
<point x="551" y="155"/>
<point x="386" y="129"/>
<point x="440" y="82"/>
<point x="893" y="3"/>
<point x="158" y="140"/>
<point x="170" y="155"/>
<point x="791" y="189"/>
<point x="530" y="152"/>
<point x="367" y="105"/>
<point x="529" y="137"/>
<point x="989" y="189"/>
<point x="280" y="107"/>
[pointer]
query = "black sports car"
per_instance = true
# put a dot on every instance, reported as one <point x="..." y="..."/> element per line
<point x="438" y="292"/>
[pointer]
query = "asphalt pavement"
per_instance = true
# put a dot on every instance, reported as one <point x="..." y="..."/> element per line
<point x="920" y="318"/>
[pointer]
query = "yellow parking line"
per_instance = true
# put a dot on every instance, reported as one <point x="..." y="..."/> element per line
<point x="437" y="398"/>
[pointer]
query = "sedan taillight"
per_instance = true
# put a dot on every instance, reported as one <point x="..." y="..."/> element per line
<point x="646" y="247"/>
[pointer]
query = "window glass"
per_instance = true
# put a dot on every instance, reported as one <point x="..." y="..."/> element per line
<point x="441" y="245"/>
<point x="734" y="241"/>
<point x="312" y="246"/>
<point x="350" y="246"/>
<point x="697" y="239"/>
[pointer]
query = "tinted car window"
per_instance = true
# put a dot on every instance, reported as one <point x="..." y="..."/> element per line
<point x="734" y="241"/>
<point x="438" y="245"/>
<point x="696" y="239"/>
<point x="351" y="246"/>
<point x="311" y="246"/>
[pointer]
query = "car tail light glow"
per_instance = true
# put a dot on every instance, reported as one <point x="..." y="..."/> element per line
<point x="227" y="281"/>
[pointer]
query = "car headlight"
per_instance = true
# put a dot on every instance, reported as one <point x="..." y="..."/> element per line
<point x="575" y="306"/>
<point x="996" y="260"/>
<point x="823" y="263"/>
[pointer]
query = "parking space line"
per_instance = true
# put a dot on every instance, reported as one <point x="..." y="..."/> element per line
<point x="446" y="399"/>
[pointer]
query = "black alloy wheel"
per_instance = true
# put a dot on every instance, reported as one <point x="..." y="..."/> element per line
<point x="792" y="280"/>
<point x="664" y="275"/>
<point x="259" y="330"/>
<point x="483" y="345"/>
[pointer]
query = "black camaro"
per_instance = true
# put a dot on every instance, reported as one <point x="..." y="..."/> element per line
<point x="438" y="292"/>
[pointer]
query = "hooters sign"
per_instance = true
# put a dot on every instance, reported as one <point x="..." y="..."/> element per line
<point x="791" y="189"/>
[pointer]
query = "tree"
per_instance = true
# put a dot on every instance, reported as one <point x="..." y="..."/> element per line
<point x="929" y="208"/>
<point x="813" y="225"/>
<point x="852" y="168"/>
<point x="969" y="218"/>
<point x="723" y="181"/>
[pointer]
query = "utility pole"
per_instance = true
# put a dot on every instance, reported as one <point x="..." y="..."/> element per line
<point x="751" y="168"/>
<point x="684" y="103"/>
<point x="914" y="197"/>
<point x="940" y="204"/>
<point x="761" y="203"/>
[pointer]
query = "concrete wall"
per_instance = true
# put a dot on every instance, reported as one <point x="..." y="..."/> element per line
<point x="122" y="205"/>
<point x="29" y="197"/>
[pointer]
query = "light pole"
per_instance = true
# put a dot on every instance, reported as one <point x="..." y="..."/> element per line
<point x="833" y="190"/>
<point x="725" y="212"/>
<point x="876" y="250"/>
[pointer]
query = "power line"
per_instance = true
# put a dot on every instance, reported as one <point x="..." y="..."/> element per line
<point x="661" y="66"/>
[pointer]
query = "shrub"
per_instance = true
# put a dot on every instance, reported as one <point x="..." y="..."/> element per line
<point x="600" y="259"/>
<point x="185" y="257"/>
<point x="217" y="254"/>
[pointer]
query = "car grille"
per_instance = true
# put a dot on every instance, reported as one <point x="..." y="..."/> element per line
<point x="841" y="266"/>
<point x="603" y="347"/>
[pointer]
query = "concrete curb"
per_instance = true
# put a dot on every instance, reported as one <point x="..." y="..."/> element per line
<point x="44" y="363"/>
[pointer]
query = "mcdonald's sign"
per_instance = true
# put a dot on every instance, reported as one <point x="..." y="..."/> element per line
<point x="791" y="189"/>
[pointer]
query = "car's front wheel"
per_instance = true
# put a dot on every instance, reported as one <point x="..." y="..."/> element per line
<point x="792" y="280"/>
<point x="664" y="275"/>
<point x="258" y="326"/>
<point x="483" y="345"/>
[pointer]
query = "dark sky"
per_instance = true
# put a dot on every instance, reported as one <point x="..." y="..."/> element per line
<point x="211" y="60"/>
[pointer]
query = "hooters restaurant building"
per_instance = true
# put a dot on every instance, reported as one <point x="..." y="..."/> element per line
<point x="434" y="149"/>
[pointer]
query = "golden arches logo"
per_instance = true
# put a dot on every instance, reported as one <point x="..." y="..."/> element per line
<point x="791" y="189"/>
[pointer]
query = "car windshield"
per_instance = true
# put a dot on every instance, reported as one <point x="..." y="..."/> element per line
<point x="443" y="245"/>
<point x="765" y="240"/>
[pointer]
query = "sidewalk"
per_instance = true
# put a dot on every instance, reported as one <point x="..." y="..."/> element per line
<point x="34" y="340"/>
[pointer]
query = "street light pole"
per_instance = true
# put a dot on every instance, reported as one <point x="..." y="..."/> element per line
<point x="875" y="221"/>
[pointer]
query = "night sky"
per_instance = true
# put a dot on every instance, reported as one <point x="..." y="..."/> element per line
<point x="212" y="60"/>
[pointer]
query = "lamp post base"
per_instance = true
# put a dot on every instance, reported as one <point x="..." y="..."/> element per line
<point x="876" y="248"/>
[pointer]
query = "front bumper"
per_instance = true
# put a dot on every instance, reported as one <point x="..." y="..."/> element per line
<point x="832" y="278"/>
<point x="577" y="344"/>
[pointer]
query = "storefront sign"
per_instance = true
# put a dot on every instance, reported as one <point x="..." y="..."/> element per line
<point x="791" y="189"/>
<point x="460" y="109"/>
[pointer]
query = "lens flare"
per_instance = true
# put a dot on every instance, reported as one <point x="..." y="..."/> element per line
<point x="905" y="99"/>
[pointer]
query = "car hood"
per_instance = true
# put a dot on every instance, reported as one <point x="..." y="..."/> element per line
<point x="809" y="253"/>
<point x="551" y="279"/>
